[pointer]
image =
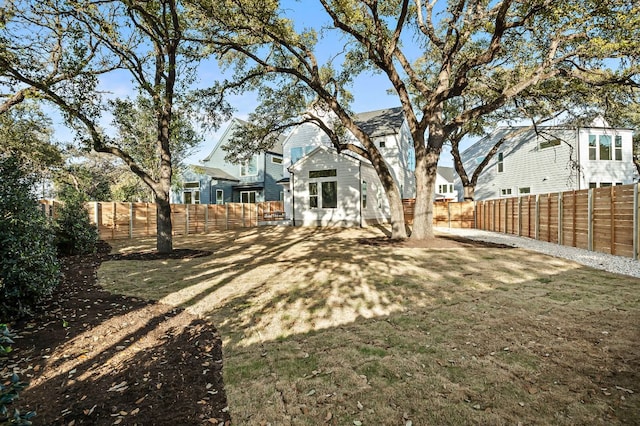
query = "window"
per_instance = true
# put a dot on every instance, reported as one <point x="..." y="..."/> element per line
<point x="505" y="192"/>
<point x="500" y="162"/>
<point x="479" y="159"/>
<point x="276" y="160"/>
<point x="313" y="194"/>
<point x="322" y="173"/>
<point x="548" y="143"/>
<point x="445" y="188"/>
<point x="247" y="196"/>
<point x="250" y="167"/>
<point x="526" y="190"/>
<point x="605" y="148"/>
<point x="411" y="160"/>
<point x="191" y="193"/>
<point x="327" y="198"/>
<point x="605" y="184"/>
<point x="364" y="194"/>
<point x="383" y="143"/>
<point x="592" y="147"/>
<point x="219" y="196"/>
<point x="593" y="185"/>
<point x="296" y="154"/>
<point x="329" y="195"/>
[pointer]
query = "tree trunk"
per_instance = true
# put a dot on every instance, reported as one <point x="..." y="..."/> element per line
<point x="469" y="192"/>
<point x="164" y="239"/>
<point x="425" y="173"/>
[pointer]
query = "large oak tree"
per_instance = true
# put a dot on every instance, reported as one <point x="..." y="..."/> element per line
<point x="476" y="54"/>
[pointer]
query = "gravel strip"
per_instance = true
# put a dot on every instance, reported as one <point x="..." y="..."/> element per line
<point x="603" y="261"/>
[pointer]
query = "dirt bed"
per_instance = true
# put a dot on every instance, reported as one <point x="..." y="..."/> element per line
<point x="96" y="358"/>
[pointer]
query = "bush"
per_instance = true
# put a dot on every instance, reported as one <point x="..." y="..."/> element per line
<point x="29" y="268"/>
<point x="74" y="232"/>
<point x="9" y="391"/>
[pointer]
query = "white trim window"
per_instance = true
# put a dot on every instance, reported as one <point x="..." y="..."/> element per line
<point x="191" y="193"/>
<point x="219" y="196"/>
<point x="446" y="188"/>
<point x="505" y="192"/>
<point x="524" y="191"/>
<point x="323" y="194"/>
<point x="363" y="193"/>
<point x="276" y="160"/>
<point x="250" y="167"/>
<point x="605" y="148"/>
<point x="500" y="162"/>
<point x="248" y="197"/>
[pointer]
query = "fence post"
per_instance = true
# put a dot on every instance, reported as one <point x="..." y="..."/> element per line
<point x="560" y="217"/>
<point x="536" y="223"/>
<point x="613" y="222"/>
<point x="186" y="219"/>
<point x="206" y="218"/>
<point x="635" y="221"/>
<point x="130" y="220"/>
<point x="226" y="217"/>
<point x="590" y="220"/>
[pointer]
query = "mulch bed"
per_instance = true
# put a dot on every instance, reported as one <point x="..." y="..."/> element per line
<point x="97" y="358"/>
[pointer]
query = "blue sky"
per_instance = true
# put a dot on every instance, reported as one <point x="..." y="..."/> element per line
<point x="370" y="90"/>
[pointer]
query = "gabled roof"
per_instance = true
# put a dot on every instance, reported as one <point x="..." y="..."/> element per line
<point x="380" y="122"/>
<point x="298" y="164"/>
<point x="215" y="173"/>
<point x="447" y="172"/>
<point x="228" y="133"/>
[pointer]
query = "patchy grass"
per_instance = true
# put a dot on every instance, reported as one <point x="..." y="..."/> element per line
<point x="318" y="328"/>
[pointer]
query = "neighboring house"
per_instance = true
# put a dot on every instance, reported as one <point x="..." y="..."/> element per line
<point x="325" y="188"/>
<point x="554" y="159"/>
<point x="217" y="181"/>
<point x="445" y="184"/>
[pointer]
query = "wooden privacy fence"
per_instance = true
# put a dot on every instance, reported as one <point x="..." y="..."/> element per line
<point x="598" y="219"/>
<point x="447" y="214"/>
<point x="131" y="220"/>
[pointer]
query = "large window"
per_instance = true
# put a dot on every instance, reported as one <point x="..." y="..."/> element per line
<point x="249" y="167"/>
<point x="191" y="193"/>
<point x="500" y="162"/>
<point x="323" y="195"/>
<point x="605" y="148"/>
<point x="247" y="196"/>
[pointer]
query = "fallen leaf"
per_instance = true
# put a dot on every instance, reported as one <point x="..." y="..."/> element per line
<point x="360" y="406"/>
<point x="139" y="401"/>
<point x="328" y="417"/>
<point x="135" y="411"/>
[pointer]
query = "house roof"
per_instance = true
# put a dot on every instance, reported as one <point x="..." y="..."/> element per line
<point x="447" y="172"/>
<point x="380" y="122"/>
<point x="215" y="173"/>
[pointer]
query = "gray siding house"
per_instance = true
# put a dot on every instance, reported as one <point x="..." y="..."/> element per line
<point x="217" y="181"/>
<point x="324" y="188"/>
<point x="554" y="159"/>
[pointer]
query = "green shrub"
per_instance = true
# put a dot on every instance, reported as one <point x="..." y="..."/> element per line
<point x="9" y="391"/>
<point x="74" y="232"/>
<point x="29" y="268"/>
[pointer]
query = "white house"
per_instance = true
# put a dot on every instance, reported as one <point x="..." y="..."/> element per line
<point x="551" y="159"/>
<point x="326" y="188"/>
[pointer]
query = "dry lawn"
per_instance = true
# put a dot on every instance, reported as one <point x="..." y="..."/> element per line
<point x="321" y="329"/>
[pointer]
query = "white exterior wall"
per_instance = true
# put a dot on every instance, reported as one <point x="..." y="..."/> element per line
<point x="377" y="209"/>
<point x="347" y="176"/>
<point x="607" y="171"/>
<point x="440" y="180"/>
<point x="550" y="169"/>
